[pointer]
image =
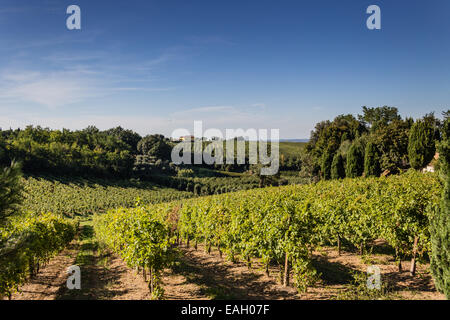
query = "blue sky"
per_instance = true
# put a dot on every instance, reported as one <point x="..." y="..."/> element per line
<point x="155" y="66"/>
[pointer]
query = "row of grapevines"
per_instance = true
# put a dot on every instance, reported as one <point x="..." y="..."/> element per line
<point x="395" y="209"/>
<point x="140" y="237"/>
<point x="84" y="197"/>
<point x="27" y="242"/>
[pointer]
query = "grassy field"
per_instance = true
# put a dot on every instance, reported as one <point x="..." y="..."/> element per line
<point x="291" y="149"/>
<point x="287" y="148"/>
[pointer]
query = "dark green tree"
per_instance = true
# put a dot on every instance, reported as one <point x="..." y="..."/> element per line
<point x="372" y="160"/>
<point x="327" y="159"/>
<point x="10" y="191"/>
<point x="155" y="145"/>
<point x="128" y="137"/>
<point x="421" y="143"/>
<point x="307" y="171"/>
<point x="328" y="136"/>
<point x="392" y="141"/>
<point x="440" y="221"/>
<point x="355" y="160"/>
<point x="375" y="118"/>
<point x="337" y="167"/>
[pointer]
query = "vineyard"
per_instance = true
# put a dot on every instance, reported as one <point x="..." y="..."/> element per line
<point x="84" y="196"/>
<point x="209" y="185"/>
<point x="29" y="242"/>
<point x="279" y="225"/>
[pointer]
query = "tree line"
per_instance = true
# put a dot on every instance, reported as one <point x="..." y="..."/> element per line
<point x="89" y="151"/>
<point x="378" y="141"/>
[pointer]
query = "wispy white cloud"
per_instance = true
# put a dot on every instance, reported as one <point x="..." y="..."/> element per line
<point x="51" y="90"/>
<point x="222" y="117"/>
<point x="53" y="42"/>
<point x="219" y="117"/>
<point x="69" y="78"/>
<point x="57" y="89"/>
<point x="259" y="105"/>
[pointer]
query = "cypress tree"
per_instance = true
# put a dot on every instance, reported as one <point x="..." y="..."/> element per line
<point x="421" y="144"/>
<point x="372" y="160"/>
<point x="440" y="222"/>
<point x="355" y="161"/>
<point x="337" y="167"/>
<point x="327" y="159"/>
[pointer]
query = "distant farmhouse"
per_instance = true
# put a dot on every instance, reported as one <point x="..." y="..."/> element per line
<point x="187" y="138"/>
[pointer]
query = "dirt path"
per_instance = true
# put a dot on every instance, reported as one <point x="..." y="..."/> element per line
<point x="103" y="275"/>
<point x="50" y="279"/>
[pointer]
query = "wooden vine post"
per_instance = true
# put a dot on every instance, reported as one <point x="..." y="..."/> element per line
<point x="286" y="262"/>
<point x="150" y="284"/>
<point x="412" y="269"/>
<point x="397" y="257"/>
<point x="339" y="245"/>
<point x="220" y="251"/>
<point x="286" y="270"/>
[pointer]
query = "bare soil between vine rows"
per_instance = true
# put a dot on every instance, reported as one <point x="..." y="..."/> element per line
<point x="198" y="275"/>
